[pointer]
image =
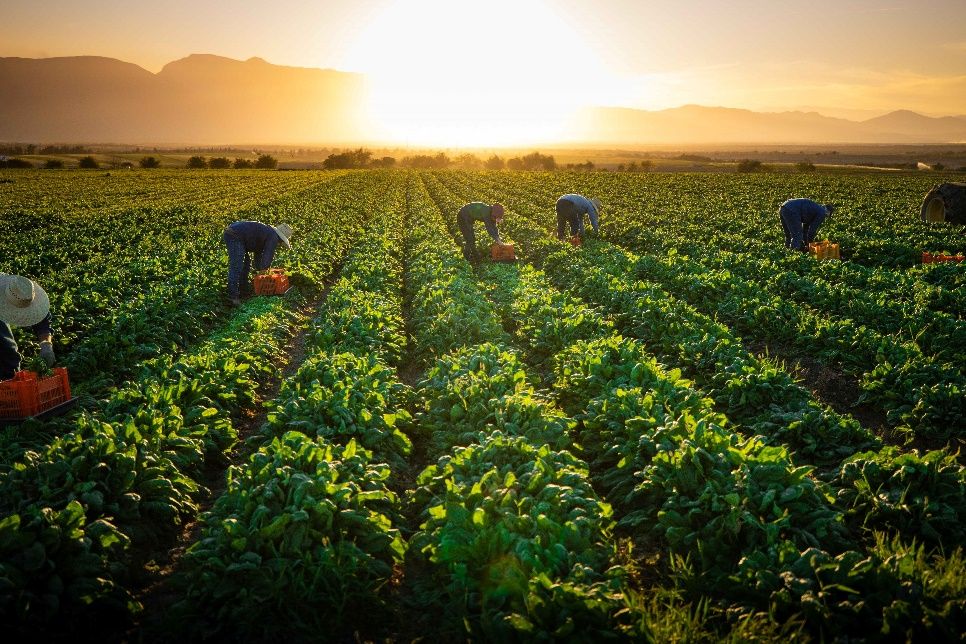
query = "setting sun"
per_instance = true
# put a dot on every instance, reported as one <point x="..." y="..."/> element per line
<point x="454" y="74"/>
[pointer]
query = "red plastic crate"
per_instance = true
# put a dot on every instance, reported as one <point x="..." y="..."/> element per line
<point x="274" y="281"/>
<point x="576" y="241"/>
<point x="27" y="394"/>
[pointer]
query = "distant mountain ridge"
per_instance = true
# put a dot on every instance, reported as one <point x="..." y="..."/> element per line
<point x="210" y="100"/>
<point x="699" y="124"/>
<point x="201" y="99"/>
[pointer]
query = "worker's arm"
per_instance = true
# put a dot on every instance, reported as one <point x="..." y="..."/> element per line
<point x="491" y="228"/>
<point x="818" y="217"/>
<point x="45" y="337"/>
<point x="268" y="252"/>
<point x="594" y="217"/>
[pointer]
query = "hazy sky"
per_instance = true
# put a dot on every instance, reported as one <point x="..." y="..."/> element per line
<point x="856" y="58"/>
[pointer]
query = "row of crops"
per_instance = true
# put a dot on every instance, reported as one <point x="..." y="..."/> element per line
<point x="588" y="444"/>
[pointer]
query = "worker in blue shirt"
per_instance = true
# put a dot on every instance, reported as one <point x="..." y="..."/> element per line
<point x="800" y="221"/>
<point x="490" y="215"/>
<point x="246" y="238"/>
<point x="22" y="303"/>
<point x="571" y="210"/>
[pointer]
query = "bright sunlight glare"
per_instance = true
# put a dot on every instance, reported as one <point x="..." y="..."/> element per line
<point x="483" y="74"/>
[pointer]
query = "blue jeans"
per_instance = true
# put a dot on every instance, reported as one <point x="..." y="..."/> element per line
<point x="794" y="230"/>
<point x="567" y="214"/>
<point x="239" y="264"/>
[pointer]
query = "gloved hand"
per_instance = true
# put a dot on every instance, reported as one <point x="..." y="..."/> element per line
<point x="47" y="353"/>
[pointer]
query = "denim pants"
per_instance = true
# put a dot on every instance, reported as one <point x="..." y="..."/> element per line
<point x="794" y="230"/>
<point x="9" y="353"/>
<point x="465" y="223"/>
<point x="239" y="263"/>
<point x="567" y="214"/>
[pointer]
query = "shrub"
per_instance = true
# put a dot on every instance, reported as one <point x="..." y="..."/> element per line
<point x="495" y="163"/>
<point x="805" y="166"/>
<point x="266" y="162"/>
<point x="197" y="162"/>
<point x="88" y="162"/>
<point x="149" y="162"/>
<point x="241" y="164"/>
<point x="348" y="160"/>
<point x="384" y="162"/>
<point x="219" y="163"/>
<point x="53" y="164"/>
<point x="749" y="165"/>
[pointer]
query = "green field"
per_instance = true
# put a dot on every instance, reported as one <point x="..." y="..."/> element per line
<point x="678" y="431"/>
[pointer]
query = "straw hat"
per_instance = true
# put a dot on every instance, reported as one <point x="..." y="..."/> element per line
<point x="284" y="232"/>
<point x="22" y="301"/>
<point x="597" y="205"/>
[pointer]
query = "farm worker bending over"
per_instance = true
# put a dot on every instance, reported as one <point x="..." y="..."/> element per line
<point x="571" y="210"/>
<point x="22" y="303"/>
<point x="491" y="216"/>
<point x="800" y="220"/>
<point x="245" y="237"/>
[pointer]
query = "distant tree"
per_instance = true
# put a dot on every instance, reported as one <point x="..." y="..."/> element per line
<point x="622" y="168"/>
<point x="749" y="165"/>
<point x="197" y="163"/>
<point x="537" y="161"/>
<point x="939" y="166"/>
<point x="384" y="162"/>
<point x="241" y="164"/>
<point x="219" y="163"/>
<point x="805" y="166"/>
<point x="149" y="162"/>
<point x="266" y="162"/>
<point x="495" y="163"/>
<point x="516" y="163"/>
<point x="127" y="165"/>
<point x="646" y="165"/>
<point x="53" y="164"/>
<point x="350" y="160"/>
<point x="468" y="161"/>
<point x="88" y="162"/>
<point x="427" y="162"/>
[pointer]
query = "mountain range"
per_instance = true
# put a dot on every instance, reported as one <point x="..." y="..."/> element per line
<point x="201" y="99"/>
<point x="209" y="100"/>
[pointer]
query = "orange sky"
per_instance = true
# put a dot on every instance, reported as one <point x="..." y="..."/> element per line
<point x="430" y="60"/>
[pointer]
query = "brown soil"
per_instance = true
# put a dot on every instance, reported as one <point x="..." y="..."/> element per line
<point x="836" y="389"/>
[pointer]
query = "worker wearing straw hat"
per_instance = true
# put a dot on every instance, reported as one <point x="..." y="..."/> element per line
<point x="246" y="238"/>
<point x="22" y="303"/>
<point x="571" y="210"/>
<point x="800" y="221"/>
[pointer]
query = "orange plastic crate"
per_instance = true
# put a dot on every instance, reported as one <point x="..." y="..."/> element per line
<point x="27" y="394"/>
<point x="939" y="258"/>
<point x="824" y="250"/>
<point x="502" y="253"/>
<point x="274" y="281"/>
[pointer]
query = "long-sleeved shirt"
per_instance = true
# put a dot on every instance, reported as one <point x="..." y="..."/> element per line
<point x="584" y="206"/>
<point x="810" y="213"/>
<point x="259" y="239"/>
<point x="479" y="211"/>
